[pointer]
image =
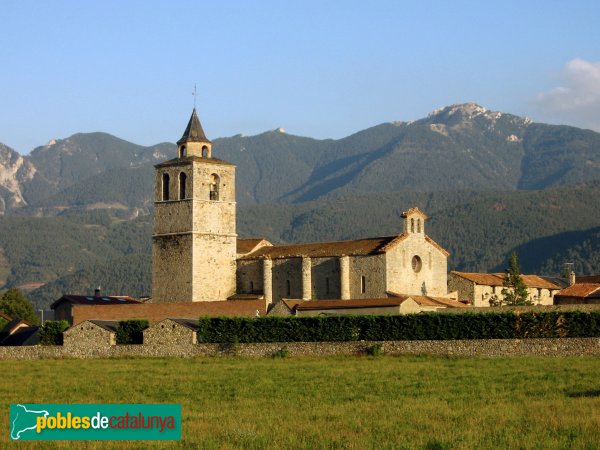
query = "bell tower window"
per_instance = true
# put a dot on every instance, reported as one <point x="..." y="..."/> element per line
<point x="165" y="186"/>
<point x="214" y="187"/>
<point x="182" y="182"/>
<point x="205" y="151"/>
<point x="182" y="151"/>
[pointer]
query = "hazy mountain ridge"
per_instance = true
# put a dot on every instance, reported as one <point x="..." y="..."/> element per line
<point x="480" y="229"/>
<point x="457" y="147"/>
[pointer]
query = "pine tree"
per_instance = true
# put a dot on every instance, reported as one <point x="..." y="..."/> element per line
<point x="16" y="305"/>
<point x="515" y="291"/>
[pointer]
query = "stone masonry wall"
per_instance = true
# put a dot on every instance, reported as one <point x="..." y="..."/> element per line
<point x="169" y="332"/>
<point x="88" y="335"/>
<point x="462" y="348"/>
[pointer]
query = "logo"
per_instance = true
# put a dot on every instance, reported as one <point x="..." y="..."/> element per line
<point x="95" y="422"/>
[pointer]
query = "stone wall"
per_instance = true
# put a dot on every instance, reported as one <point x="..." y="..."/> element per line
<point x="373" y="269"/>
<point x="462" y="348"/>
<point x="89" y="336"/>
<point x="169" y="332"/>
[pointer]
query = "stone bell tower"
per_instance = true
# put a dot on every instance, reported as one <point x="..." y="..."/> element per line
<point x="194" y="239"/>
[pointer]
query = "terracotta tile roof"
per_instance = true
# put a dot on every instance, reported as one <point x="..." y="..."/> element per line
<point x="429" y="301"/>
<point x="246" y="297"/>
<point x="581" y="290"/>
<point x="360" y="247"/>
<point x="245" y="246"/>
<point x="488" y="279"/>
<point x="349" y="304"/>
<point x="497" y="279"/>
<point x="93" y="300"/>
<point x="291" y="304"/>
<point x="587" y="279"/>
<point x="533" y="281"/>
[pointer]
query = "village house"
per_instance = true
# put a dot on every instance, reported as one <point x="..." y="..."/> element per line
<point x="477" y="289"/>
<point x="579" y="293"/>
<point x="63" y="307"/>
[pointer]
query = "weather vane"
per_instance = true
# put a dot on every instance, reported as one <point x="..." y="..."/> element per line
<point x="195" y="95"/>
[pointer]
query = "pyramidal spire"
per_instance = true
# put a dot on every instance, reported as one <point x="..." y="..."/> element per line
<point x="193" y="131"/>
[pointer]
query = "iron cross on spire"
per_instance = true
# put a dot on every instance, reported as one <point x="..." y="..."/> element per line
<point x="195" y="94"/>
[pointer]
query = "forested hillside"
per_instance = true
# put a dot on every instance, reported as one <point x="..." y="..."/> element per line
<point x="79" y="252"/>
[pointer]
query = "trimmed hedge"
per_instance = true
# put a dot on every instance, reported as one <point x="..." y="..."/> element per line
<point x="51" y="332"/>
<point x="130" y="331"/>
<point x="424" y="326"/>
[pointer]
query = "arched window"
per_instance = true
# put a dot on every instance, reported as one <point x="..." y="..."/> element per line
<point x="182" y="180"/>
<point x="165" y="186"/>
<point x="417" y="263"/>
<point x="205" y="152"/>
<point x="412" y="225"/>
<point x="182" y="152"/>
<point x="214" y="187"/>
<point x="418" y="225"/>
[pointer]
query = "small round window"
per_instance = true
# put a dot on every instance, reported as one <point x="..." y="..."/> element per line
<point x="417" y="264"/>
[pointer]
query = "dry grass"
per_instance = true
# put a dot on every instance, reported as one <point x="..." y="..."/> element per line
<point x="345" y="402"/>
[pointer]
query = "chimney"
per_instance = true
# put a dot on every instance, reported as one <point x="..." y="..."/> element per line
<point x="571" y="278"/>
<point x="97" y="292"/>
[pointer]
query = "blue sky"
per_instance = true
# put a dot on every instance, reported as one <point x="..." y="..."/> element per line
<point x="316" y="68"/>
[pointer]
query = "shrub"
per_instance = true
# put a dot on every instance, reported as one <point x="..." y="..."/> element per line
<point x="51" y="332"/>
<point x="281" y="353"/>
<point x="424" y="326"/>
<point x="130" y="331"/>
<point x="375" y="349"/>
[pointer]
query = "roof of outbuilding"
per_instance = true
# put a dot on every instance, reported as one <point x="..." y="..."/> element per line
<point x="192" y="324"/>
<point x="109" y="325"/>
<point x="349" y="304"/>
<point x="193" y="132"/>
<point x="27" y="335"/>
<point x="497" y="279"/>
<point x="95" y="300"/>
<point x="581" y="290"/>
<point x="429" y="301"/>
<point x="244" y="246"/>
<point x="587" y="279"/>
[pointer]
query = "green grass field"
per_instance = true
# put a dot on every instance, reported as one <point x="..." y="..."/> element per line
<point x="341" y="402"/>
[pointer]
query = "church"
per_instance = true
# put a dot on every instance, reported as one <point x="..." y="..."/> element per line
<point x="197" y="257"/>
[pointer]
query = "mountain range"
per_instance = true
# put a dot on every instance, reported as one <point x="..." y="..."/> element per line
<point x="460" y="147"/>
<point x="491" y="182"/>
